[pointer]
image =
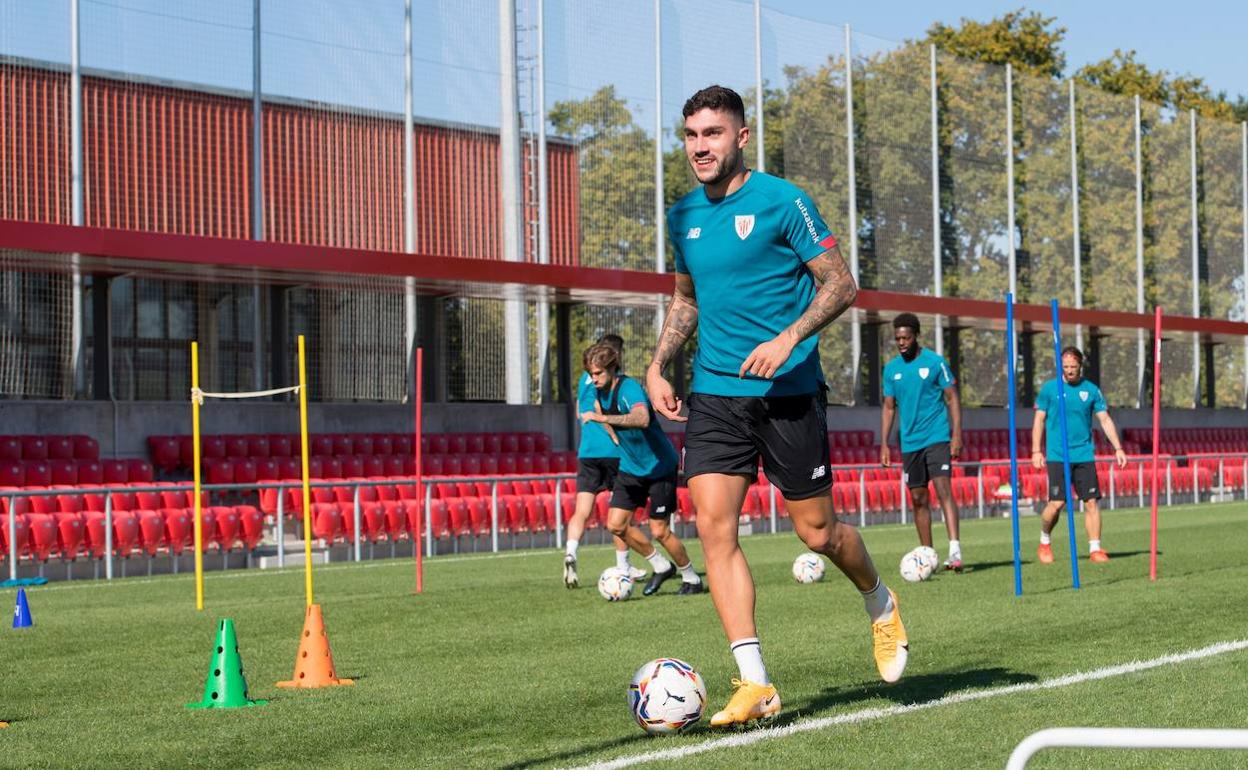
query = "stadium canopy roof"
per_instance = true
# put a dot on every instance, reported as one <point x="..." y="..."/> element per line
<point x="56" y="248"/>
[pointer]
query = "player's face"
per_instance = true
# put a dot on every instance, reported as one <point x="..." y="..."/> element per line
<point x="714" y="141"/>
<point x="907" y="341"/>
<point x="1071" y="369"/>
<point x="600" y="377"/>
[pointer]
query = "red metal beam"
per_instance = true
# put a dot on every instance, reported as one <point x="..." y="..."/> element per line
<point x="168" y="248"/>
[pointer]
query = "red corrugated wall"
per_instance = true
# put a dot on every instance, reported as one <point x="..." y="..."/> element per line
<point x="177" y="160"/>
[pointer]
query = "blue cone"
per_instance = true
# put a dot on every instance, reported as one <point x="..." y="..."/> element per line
<point x="21" y="612"/>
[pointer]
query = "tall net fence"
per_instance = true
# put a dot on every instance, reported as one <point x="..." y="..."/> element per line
<point x="171" y="142"/>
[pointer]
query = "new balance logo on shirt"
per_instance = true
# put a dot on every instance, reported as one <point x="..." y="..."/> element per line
<point x="694" y="234"/>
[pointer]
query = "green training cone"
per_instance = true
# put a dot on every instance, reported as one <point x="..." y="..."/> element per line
<point x="226" y="687"/>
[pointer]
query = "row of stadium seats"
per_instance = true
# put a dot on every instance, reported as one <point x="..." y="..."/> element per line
<point x="171" y="453"/>
<point x="72" y="447"/>
<point x="249" y="471"/>
<point x="69" y="525"/>
<point x="32" y="473"/>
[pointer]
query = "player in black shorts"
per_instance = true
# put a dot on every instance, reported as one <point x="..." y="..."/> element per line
<point x="758" y="274"/>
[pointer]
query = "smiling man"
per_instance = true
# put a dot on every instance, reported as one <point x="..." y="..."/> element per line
<point x="758" y="273"/>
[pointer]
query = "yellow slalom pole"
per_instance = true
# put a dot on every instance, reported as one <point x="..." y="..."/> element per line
<point x="199" y="514"/>
<point x="307" y="493"/>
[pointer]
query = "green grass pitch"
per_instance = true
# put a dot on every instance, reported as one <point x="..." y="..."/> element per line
<point x="497" y="665"/>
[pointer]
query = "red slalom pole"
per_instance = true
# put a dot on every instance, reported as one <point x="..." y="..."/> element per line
<point x="420" y="487"/>
<point x="1152" y="548"/>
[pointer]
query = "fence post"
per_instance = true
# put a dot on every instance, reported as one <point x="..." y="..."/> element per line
<point x="428" y="517"/>
<point x="979" y="490"/>
<point x="494" y="516"/>
<point x="1112" y="474"/>
<point x="13" y="537"/>
<point x="771" y="494"/>
<point x="558" y="514"/>
<point x="108" y="537"/>
<point x="281" y="527"/>
<point x="355" y="515"/>
<point x="1140" y="482"/>
<point x="1169" y="464"/>
<point x="862" y="498"/>
<point x="1222" y="477"/>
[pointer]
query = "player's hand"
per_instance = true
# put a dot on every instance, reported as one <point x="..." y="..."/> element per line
<point x="955" y="447"/>
<point x="885" y="456"/>
<point x="1121" y="457"/>
<point x="662" y="396"/>
<point x="1037" y="460"/>
<point x="767" y="358"/>
<point x="590" y="417"/>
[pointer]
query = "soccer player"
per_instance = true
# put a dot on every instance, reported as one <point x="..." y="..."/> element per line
<point x="597" y="462"/>
<point x="1083" y="399"/>
<point x="648" y="464"/>
<point x="758" y="274"/>
<point x="918" y="383"/>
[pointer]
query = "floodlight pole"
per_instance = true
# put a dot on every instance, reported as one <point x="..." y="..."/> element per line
<point x="1191" y="113"/>
<point x="257" y="189"/>
<point x="761" y="162"/>
<point x="1009" y="177"/>
<point x="76" y="193"/>
<point x="1076" y="239"/>
<point x="660" y="224"/>
<point x="1139" y="259"/>
<point x="851" y="176"/>
<point x="938" y="278"/>
<point x="409" y="190"/>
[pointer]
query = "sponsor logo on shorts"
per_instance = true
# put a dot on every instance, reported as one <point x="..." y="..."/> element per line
<point x="745" y="225"/>
<point x="661" y="509"/>
<point x="1091" y="489"/>
<point x="905" y="477"/>
<point x="819" y="472"/>
<point x="944" y="467"/>
<point x="924" y="371"/>
<point x="693" y="234"/>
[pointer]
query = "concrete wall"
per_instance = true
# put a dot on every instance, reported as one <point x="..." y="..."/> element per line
<point x="122" y="427"/>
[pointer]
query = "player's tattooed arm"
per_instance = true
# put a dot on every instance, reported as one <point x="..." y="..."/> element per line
<point x="837" y="291"/>
<point x="678" y="326"/>
<point x="637" y="417"/>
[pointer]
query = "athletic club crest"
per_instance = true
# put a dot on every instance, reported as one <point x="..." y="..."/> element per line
<point x="1083" y="395"/>
<point x="745" y="225"/>
<point x="924" y="371"/>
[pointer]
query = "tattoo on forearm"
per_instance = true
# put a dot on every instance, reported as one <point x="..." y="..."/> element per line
<point x="630" y="420"/>
<point x="678" y="326"/>
<point x="837" y="291"/>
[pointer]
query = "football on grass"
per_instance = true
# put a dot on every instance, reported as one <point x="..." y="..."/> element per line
<point x="666" y="696"/>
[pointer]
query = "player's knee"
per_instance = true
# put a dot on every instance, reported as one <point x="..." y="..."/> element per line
<point x="919" y="496"/>
<point x="659" y="528"/>
<point x="617" y="528"/>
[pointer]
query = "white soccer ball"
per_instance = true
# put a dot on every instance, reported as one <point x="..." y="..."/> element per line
<point x="914" y="567"/>
<point x="808" y="568"/>
<point x="666" y="696"/>
<point x="930" y="556"/>
<point x="615" y="584"/>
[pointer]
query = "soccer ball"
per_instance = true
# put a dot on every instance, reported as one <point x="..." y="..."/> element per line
<point x="808" y="568"/>
<point x="666" y="696"/>
<point x="930" y="556"/>
<point x="914" y="566"/>
<point x="615" y="584"/>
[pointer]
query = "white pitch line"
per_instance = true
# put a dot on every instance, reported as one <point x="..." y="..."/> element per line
<point x="866" y="715"/>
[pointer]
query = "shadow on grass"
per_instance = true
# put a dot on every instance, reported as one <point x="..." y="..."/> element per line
<point x="579" y="752"/>
<point x="911" y="689"/>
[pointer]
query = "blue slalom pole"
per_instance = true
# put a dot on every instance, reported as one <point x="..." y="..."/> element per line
<point x="1061" y="421"/>
<point x="1010" y="359"/>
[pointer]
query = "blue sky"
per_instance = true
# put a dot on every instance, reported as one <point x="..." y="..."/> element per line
<point x="351" y="51"/>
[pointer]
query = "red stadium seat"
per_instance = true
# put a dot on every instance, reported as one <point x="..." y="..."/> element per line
<point x="10" y="448"/>
<point x="219" y="471"/>
<point x="151" y="531"/>
<point x="139" y="470"/>
<point x="493" y="443"/>
<point x="535" y="513"/>
<point x="257" y="445"/>
<point x="12" y="473"/>
<point x="326" y="522"/>
<point x="89" y="472"/>
<point x="251" y="521"/>
<point x="352" y="465"/>
<point x="228" y="527"/>
<point x="289" y="468"/>
<point x="237" y="446"/>
<point x="402" y="444"/>
<point x="186" y="449"/>
<point x="394" y="465"/>
<point x="70" y="534"/>
<point x="541" y="442"/>
<point x="212" y="447"/>
<point x="475" y="443"/>
<point x="433" y="465"/>
<point x="383" y="444"/>
<point x="44" y="536"/>
<point x="457" y="513"/>
<point x="60" y="447"/>
<point x="452" y="465"/>
<point x="126" y="536"/>
<point x="374" y="465"/>
<point x="116" y="471"/>
<point x="37" y="473"/>
<point x="267" y="469"/>
<point x="281" y="446"/>
<point x="511" y="443"/>
<point x="63" y="471"/>
<point x="321" y="446"/>
<point x="331" y="468"/>
<point x="179" y="530"/>
<point x="34" y="448"/>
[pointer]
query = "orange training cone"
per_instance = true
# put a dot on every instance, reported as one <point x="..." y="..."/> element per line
<point x="314" y="667"/>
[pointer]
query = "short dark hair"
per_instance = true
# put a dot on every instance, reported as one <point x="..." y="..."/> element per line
<point x="909" y="320"/>
<point x="717" y="98"/>
<point x="1071" y="350"/>
<point x="614" y="340"/>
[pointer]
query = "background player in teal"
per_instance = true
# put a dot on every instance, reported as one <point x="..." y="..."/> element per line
<point x="1083" y="399"/>
<point x="648" y="465"/>
<point x="918" y="383"/>
<point x="768" y="277"/>
<point x="598" y="462"/>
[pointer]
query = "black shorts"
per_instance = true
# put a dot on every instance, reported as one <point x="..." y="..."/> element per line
<point x="923" y="465"/>
<point x="727" y="434"/>
<point x="631" y="492"/>
<point x="594" y="474"/>
<point x="1082" y="478"/>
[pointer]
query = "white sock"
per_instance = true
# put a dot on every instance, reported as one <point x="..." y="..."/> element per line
<point x="621" y="559"/>
<point x="658" y="561"/>
<point x="689" y="575"/>
<point x="955" y="550"/>
<point x="879" y="602"/>
<point x="1045" y="539"/>
<point x="572" y="546"/>
<point x="749" y="657"/>
<point x="1094" y="545"/>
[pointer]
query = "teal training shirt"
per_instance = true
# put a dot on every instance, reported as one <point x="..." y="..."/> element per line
<point x="1082" y="401"/>
<point x="919" y="388"/>
<point x="644" y="452"/>
<point x="595" y="443"/>
<point x="746" y="253"/>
